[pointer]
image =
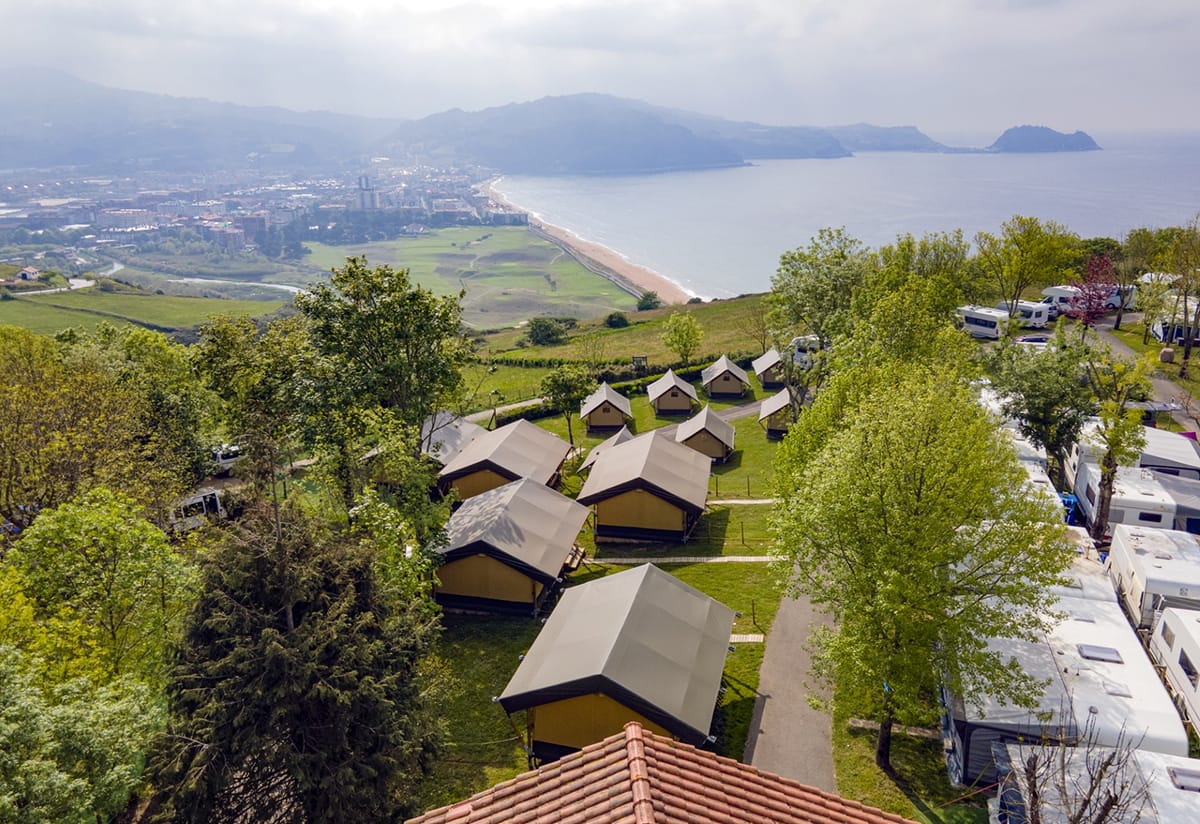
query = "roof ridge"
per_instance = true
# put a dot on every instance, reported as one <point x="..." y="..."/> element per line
<point x="639" y="774"/>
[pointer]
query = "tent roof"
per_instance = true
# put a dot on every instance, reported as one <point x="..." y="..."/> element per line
<point x="525" y="523"/>
<point x="623" y="435"/>
<point x="708" y="420"/>
<point x="670" y="381"/>
<point x="720" y="365"/>
<point x="602" y="394"/>
<point x="652" y="461"/>
<point x="520" y="450"/>
<point x="778" y="402"/>
<point x="766" y="360"/>
<point x="643" y="637"/>
<point x="444" y="434"/>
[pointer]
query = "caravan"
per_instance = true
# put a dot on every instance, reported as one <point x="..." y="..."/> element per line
<point x="803" y="349"/>
<point x="197" y="510"/>
<point x="982" y="322"/>
<point x="1154" y="568"/>
<point x="1032" y="315"/>
<point x="1138" y="498"/>
<point x="1175" y="647"/>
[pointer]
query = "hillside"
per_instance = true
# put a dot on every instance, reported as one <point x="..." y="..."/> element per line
<point x="1042" y="139"/>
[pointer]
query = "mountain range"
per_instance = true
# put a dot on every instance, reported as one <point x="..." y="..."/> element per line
<point x="55" y="120"/>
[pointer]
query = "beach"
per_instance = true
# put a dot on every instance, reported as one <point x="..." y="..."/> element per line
<point x="600" y="259"/>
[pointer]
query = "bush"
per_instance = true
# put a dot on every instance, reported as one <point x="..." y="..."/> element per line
<point x="696" y="299"/>
<point x="616" y="320"/>
<point x="649" y="300"/>
<point x="545" y="332"/>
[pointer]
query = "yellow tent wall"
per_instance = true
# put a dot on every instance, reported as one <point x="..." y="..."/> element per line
<point x="583" y="720"/>
<point x="726" y="384"/>
<point x="468" y="486"/>
<point x="779" y="422"/>
<point x="772" y="375"/>
<point x="706" y="444"/>
<point x="481" y="576"/>
<point x="673" y="400"/>
<point x="640" y="509"/>
<point x="604" y="416"/>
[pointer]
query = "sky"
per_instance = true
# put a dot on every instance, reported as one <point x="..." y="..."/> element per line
<point x="951" y="67"/>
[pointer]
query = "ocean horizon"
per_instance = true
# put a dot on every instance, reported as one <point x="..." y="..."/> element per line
<point x="720" y="232"/>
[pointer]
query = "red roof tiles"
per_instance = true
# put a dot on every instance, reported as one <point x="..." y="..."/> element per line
<point x="638" y="777"/>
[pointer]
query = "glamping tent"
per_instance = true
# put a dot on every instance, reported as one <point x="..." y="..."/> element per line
<point x="648" y="488"/>
<point x="606" y="408"/>
<point x="507" y="548"/>
<point x="640" y="645"/>
<point x="1097" y="672"/>
<point x="724" y="379"/>
<point x="623" y="435"/>
<point x="768" y="368"/>
<point x="518" y="450"/>
<point x="672" y="395"/>
<point x="444" y="434"/>
<point x="775" y="414"/>
<point x="708" y="434"/>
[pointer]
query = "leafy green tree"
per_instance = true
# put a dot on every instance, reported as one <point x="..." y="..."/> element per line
<point x="814" y="285"/>
<point x="1027" y="253"/>
<point x="616" y="320"/>
<point x="114" y="571"/>
<point x="682" y="335"/>
<point x="648" y="301"/>
<point x="911" y="524"/>
<point x="935" y="270"/>
<point x="545" y="332"/>
<point x="1116" y="383"/>
<point x="564" y="387"/>
<point x="1184" y="257"/>
<point x="1152" y="300"/>
<point x="296" y="696"/>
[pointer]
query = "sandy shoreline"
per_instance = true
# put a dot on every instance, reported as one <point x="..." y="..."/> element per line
<point x="600" y="259"/>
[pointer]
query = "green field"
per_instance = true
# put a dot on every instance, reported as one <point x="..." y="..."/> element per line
<point x="86" y="308"/>
<point x="509" y="274"/>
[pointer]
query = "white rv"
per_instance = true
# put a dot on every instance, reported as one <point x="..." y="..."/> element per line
<point x="1032" y="315"/>
<point x="1096" y="673"/>
<point x="197" y="510"/>
<point x="1062" y="296"/>
<point x="1138" y="498"/>
<point x="803" y="348"/>
<point x="1167" y="453"/>
<point x="1175" y="646"/>
<point x="982" y="322"/>
<point x="1154" y="568"/>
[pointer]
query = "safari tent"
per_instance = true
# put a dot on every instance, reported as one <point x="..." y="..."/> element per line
<point x="623" y="435"/>
<point x="640" y="645"/>
<point x="606" y="408"/>
<point x="775" y="414"/>
<point x="518" y="450"/>
<point x="507" y="548"/>
<point x="768" y="368"/>
<point x="648" y="488"/>
<point x="708" y="434"/>
<point x="724" y="379"/>
<point x="672" y="395"/>
<point x="444" y="434"/>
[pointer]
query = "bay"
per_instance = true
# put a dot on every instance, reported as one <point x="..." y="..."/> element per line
<point x="720" y="233"/>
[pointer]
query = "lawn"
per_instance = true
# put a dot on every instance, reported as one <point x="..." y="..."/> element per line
<point x="45" y="320"/>
<point x="162" y="311"/>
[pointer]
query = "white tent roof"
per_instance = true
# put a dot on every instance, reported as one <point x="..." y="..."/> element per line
<point x="720" y="365"/>
<point x="623" y="435"/>
<point x="706" y="420"/>
<point x="602" y="394"/>
<point x="519" y="450"/>
<point x="444" y="434"/>
<point x="765" y="361"/>
<point x="776" y="403"/>
<point x="650" y="461"/>
<point x="668" y="382"/>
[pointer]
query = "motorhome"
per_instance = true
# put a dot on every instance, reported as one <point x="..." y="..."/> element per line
<point x="1152" y="569"/>
<point x="1032" y="315"/>
<point x="1173" y="326"/>
<point x="803" y="348"/>
<point x="1062" y="297"/>
<point x="197" y="510"/>
<point x="1167" y="453"/>
<point x="1138" y="498"/>
<point x="1097" y="677"/>
<point x="1175" y="648"/>
<point x="982" y="322"/>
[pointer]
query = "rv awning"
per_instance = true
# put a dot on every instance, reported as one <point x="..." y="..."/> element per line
<point x="719" y="367"/>
<point x="605" y="394"/>
<point x="706" y="420"/>
<point x="650" y="461"/>
<point x="668" y="382"/>
<point x="644" y="638"/>
<point x="518" y="450"/>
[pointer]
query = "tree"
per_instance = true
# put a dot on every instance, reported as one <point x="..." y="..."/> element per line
<point x="616" y="320"/>
<point x="1095" y="289"/>
<point x="1185" y="263"/>
<point x="754" y="321"/>
<point x="1152" y="298"/>
<point x="296" y="697"/>
<point x="911" y="524"/>
<point x="94" y="559"/>
<point x="814" y="285"/>
<point x="682" y="335"/>
<point x="1115" y="383"/>
<point x="545" y="332"/>
<point x="936" y="269"/>
<point x="1027" y="253"/>
<point x="648" y="300"/>
<point x="564" y="387"/>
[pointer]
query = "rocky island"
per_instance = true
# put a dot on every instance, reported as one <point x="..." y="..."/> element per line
<point x="1042" y="139"/>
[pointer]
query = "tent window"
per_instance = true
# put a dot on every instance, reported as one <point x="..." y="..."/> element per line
<point x="1168" y="635"/>
<point x="1189" y="669"/>
<point x="1151" y="517"/>
<point x="674" y="393"/>
<point x="1095" y="652"/>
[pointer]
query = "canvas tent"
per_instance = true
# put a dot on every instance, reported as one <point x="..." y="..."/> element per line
<point x="444" y="435"/>
<point x="518" y="450"/>
<point x="606" y="408"/>
<point x="623" y="435"/>
<point x="768" y="368"/>
<point x="640" y="645"/>
<point x="648" y="488"/>
<point x="708" y="434"/>
<point x="775" y="414"/>
<point x="506" y="549"/>
<point x="724" y="378"/>
<point x="672" y="395"/>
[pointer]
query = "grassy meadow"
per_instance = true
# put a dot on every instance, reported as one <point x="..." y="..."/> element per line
<point x="86" y="308"/>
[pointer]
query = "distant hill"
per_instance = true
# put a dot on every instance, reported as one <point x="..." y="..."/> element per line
<point x="863" y="137"/>
<point x="1042" y="139"/>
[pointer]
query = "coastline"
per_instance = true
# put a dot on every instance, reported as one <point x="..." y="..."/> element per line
<point x="598" y="258"/>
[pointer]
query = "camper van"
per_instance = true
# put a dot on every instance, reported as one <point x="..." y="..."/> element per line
<point x="982" y="322"/>
<point x="1032" y="315"/>
<point x="1062" y="297"/>
<point x="1152" y="569"/>
<point x="1175" y="647"/>
<point x="197" y="510"/>
<point x="803" y="348"/>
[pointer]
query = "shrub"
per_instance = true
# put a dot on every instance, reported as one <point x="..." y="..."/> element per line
<point x="545" y="332"/>
<point x="616" y="320"/>
<point x="649" y="300"/>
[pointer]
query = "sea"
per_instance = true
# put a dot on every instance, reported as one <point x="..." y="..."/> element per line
<point x="719" y="233"/>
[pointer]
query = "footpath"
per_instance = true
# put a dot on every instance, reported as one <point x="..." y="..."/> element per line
<point x="1163" y="389"/>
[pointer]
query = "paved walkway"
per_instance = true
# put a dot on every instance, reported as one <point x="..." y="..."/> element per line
<point x="1164" y="390"/>
<point x="745" y="501"/>
<point x="689" y="559"/>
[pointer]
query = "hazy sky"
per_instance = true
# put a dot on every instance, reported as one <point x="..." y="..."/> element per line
<point x="948" y="66"/>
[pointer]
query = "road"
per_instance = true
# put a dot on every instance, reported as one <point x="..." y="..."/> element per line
<point x="1163" y="389"/>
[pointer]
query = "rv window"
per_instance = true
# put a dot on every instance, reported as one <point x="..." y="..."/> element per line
<point x="1165" y="471"/>
<point x="1095" y="652"/>
<point x="1189" y="669"/>
<point x="1116" y="516"/>
<point x="1151" y="517"/>
<point x="1091" y="496"/>
<point x="1192" y="525"/>
<point x="1184" y="779"/>
<point x="1168" y="635"/>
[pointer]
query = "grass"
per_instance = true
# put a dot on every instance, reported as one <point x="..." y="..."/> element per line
<point x="163" y="311"/>
<point x="45" y="320"/>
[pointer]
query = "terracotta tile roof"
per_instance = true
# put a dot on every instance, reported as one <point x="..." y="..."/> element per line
<point x="637" y="777"/>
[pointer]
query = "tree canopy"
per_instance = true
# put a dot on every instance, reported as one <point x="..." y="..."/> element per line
<point x="682" y="335"/>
